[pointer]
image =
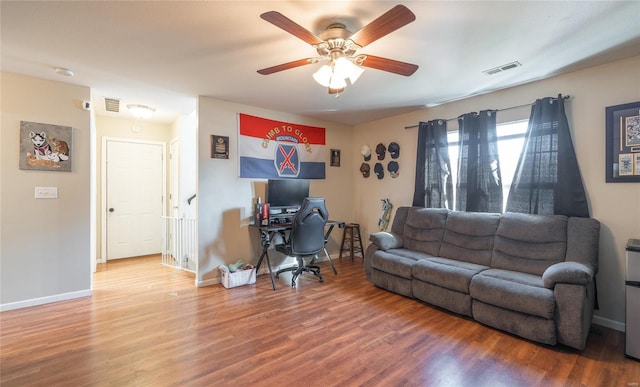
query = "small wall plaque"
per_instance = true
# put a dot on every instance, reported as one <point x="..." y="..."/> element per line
<point x="335" y="157"/>
<point x="219" y="147"/>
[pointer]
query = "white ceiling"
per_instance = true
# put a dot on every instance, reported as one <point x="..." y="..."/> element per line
<point x="165" y="54"/>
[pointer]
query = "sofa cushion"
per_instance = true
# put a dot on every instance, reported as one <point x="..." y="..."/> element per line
<point x="424" y="228"/>
<point x="583" y="238"/>
<point x="406" y="253"/>
<point x="395" y="264"/>
<point x="445" y="298"/>
<point x="392" y="282"/>
<point x="447" y="273"/>
<point x="529" y="243"/>
<point x="512" y="290"/>
<point x="468" y="236"/>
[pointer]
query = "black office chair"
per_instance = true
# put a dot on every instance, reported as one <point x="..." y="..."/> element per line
<point x="306" y="238"/>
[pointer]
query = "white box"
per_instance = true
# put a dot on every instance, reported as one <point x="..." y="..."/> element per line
<point x="238" y="278"/>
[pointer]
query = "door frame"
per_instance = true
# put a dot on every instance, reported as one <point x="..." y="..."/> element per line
<point x="103" y="186"/>
<point x="174" y="179"/>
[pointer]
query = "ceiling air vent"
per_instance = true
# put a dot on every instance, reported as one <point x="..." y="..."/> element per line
<point x="112" y="105"/>
<point x="502" y="68"/>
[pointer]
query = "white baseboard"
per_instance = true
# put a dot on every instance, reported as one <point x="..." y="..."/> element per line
<point x="45" y="300"/>
<point x="608" y="323"/>
<point x="208" y="282"/>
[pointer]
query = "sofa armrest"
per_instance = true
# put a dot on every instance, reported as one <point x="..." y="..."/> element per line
<point x="386" y="240"/>
<point x="567" y="273"/>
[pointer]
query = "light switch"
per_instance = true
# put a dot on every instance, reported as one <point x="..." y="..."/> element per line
<point x="46" y="192"/>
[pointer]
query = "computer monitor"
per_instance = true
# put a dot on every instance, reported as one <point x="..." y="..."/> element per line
<point x="286" y="194"/>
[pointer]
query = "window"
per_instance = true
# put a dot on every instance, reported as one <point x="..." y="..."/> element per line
<point x="510" y="143"/>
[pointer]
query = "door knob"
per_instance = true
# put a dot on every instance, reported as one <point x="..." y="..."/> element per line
<point x="111" y="210"/>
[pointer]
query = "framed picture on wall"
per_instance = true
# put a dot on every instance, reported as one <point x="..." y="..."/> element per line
<point x="623" y="143"/>
<point x="335" y="157"/>
<point x="219" y="147"/>
<point x="45" y="147"/>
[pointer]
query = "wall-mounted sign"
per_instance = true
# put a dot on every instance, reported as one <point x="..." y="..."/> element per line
<point x="219" y="147"/>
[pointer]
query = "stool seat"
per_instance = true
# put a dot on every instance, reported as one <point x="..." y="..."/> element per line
<point x="351" y="241"/>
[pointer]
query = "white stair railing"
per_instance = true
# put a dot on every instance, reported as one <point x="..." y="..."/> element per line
<point x="179" y="243"/>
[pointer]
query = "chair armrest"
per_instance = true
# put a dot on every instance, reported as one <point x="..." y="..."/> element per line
<point x="386" y="240"/>
<point x="567" y="273"/>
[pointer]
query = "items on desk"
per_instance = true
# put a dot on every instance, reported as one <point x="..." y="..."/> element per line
<point x="261" y="213"/>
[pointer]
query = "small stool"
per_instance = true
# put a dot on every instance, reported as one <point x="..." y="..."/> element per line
<point x="351" y="240"/>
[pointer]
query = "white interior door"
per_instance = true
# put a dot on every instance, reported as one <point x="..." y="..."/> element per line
<point x="134" y="179"/>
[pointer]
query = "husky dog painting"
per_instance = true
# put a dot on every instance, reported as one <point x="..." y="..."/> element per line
<point x="45" y="147"/>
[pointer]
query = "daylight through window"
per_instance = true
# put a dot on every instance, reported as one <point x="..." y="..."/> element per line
<point x="510" y="142"/>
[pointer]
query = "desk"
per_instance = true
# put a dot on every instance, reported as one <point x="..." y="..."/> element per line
<point x="268" y="232"/>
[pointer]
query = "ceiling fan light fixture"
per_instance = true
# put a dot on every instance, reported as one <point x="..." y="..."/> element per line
<point x="141" y="111"/>
<point x="323" y="75"/>
<point x="337" y="82"/>
<point x="346" y="69"/>
<point x="356" y="72"/>
<point x="335" y="75"/>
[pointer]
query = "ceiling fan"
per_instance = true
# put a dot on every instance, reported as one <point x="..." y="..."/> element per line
<point x="339" y="47"/>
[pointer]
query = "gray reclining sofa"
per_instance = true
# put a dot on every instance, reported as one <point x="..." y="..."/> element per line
<point x="530" y="275"/>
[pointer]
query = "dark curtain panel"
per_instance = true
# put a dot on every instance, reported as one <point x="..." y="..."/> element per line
<point x="479" y="185"/>
<point x="547" y="178"/>
<point x="434" y="187"/>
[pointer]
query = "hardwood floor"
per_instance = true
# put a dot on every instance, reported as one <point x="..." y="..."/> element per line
<point x="148" y="325"/>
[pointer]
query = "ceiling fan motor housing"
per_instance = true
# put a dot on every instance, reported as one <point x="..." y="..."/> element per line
<point x="336" y="39"/>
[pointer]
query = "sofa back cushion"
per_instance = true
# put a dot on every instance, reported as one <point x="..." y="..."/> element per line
<point x="424" y="228"/>
<point x="583" y="241"/>
<point x="399" y="220"/>
<point x="468" y="236"/>
<point x="529" y="243"/>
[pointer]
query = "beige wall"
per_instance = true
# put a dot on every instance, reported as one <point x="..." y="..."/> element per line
<point x="44" y="244"/>
<point x="225" y="200"/>
<point x="616" y="205"/>
<point x="115" y="127"/>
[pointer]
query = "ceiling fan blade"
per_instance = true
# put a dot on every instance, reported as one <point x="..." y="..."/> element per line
<point x="390" y="65"/>
<point x="388" y="22"/>
<point x="286" y="66"/>
<point x="279" y="20"/>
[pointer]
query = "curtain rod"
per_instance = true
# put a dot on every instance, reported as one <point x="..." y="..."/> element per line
<point x="498" y="110"/>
